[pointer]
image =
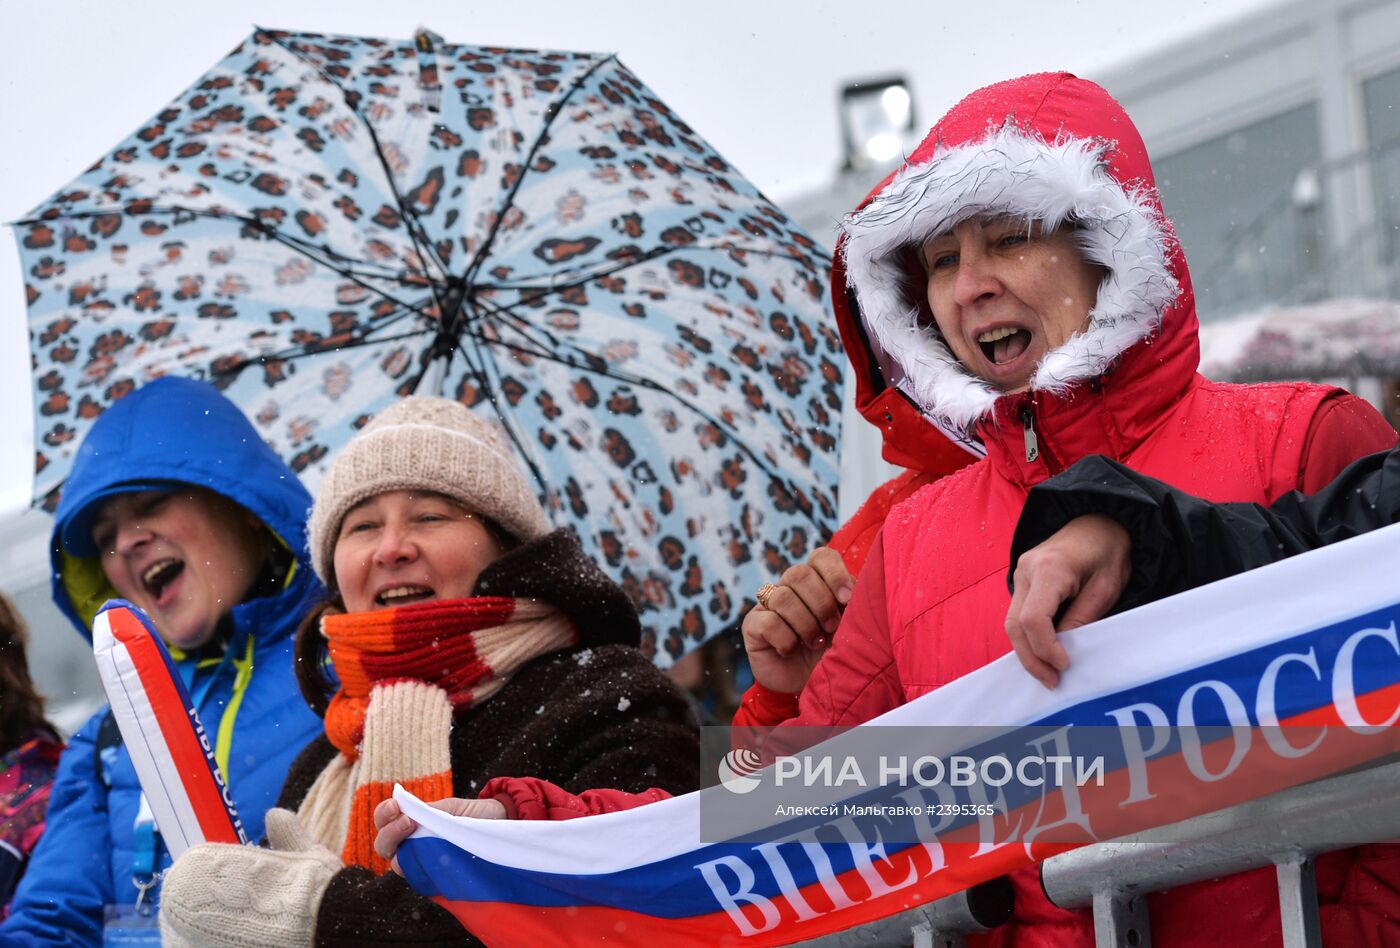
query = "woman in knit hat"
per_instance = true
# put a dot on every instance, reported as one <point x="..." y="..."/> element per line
<point x="469" y="643"/>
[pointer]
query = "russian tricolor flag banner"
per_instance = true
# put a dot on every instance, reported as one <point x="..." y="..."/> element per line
<point x="160" y="728"/>
<point x="1222" y="694"/>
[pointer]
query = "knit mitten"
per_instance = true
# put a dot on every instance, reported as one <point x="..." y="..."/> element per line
<point x="219" y="894"/>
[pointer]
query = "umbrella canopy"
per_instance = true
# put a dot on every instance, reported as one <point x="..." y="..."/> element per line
<point x="1343" y="338"/>
<point x="322" y="224"/>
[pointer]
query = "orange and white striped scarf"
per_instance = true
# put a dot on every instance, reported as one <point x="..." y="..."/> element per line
<point x="404" y="673"/>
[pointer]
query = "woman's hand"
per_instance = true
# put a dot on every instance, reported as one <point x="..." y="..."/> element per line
<point x="222" y="894"/>
<point x="788" y="636"/>
<point x="1082" y="570"/>
<point x="394" y="827"/>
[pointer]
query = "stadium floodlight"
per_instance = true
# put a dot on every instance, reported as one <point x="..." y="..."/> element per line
<point x="877" y="117"/>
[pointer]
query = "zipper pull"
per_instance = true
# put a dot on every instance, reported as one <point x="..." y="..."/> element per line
<point x="1032" y="444"/>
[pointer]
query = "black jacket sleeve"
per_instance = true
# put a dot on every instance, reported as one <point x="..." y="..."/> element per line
<point x="1181" y="542"/>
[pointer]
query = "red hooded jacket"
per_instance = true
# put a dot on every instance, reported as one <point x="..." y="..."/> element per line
<point x="931" y="601"/>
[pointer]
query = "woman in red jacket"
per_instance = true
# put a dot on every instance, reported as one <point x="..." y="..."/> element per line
<point x="1020" y="283"/>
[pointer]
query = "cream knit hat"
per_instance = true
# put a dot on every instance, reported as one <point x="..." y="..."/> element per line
<point x="431" y="444"/>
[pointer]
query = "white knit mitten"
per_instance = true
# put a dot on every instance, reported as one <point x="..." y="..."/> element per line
<point x="218" y="894"/>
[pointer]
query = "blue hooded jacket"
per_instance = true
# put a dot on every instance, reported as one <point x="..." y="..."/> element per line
<point x="182" y="431"/>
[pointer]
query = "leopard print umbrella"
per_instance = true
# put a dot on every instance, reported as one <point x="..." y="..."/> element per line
<point x="321" y="224"/>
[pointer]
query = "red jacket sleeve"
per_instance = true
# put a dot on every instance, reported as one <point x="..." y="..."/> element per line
<point x="761" y="708"/>
<point x="1343" y="429"/>
<point x="856" y="679"/>
<point x="529" y="798"/>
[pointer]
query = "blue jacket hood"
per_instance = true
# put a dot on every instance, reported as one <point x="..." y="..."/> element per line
<point x="174" y="430"/>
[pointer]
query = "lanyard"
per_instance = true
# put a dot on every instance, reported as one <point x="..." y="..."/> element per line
<point x="146" y="843"/>
<point x="189" y="670"/>
<point x="243" y="675"/>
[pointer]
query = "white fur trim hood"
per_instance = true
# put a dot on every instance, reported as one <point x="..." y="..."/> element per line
<point x="1008" y="172"/>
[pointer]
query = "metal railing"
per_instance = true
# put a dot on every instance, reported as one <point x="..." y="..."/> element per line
<point x="1287" y="830"/>
<point x="941" y="924"/>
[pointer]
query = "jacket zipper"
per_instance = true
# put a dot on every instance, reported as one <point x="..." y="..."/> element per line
<point x="1034" y="451"/>
<point x="1032" y="443"/>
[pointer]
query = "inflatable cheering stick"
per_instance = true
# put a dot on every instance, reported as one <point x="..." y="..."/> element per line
<point x="172" y="755"/>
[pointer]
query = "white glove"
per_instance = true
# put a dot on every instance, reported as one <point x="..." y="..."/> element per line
<point x="219" y="894"/>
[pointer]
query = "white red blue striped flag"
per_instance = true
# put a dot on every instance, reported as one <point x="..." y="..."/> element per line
<point x="1295" y="666"/>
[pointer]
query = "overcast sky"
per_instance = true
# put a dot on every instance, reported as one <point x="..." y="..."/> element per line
<point x="758" y="78"/>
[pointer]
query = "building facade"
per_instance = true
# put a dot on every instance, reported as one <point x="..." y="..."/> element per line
<point x="1276" y="143"/>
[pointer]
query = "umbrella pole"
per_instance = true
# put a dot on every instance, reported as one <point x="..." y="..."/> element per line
<point x="435" y="376"/>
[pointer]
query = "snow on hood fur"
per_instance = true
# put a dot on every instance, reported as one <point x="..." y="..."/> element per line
<point x="1039" y="167"/>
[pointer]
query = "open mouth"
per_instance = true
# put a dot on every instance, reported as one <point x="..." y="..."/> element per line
<point x="1004" y="345"/>
<point x="403" y="595"/>
<point x="159" y="575"/>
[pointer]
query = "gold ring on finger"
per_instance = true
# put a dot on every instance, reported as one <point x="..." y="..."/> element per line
<point x="765" y="592"/>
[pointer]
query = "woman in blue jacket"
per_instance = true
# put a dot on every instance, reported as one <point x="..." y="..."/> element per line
<point x="177" y="504"/>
